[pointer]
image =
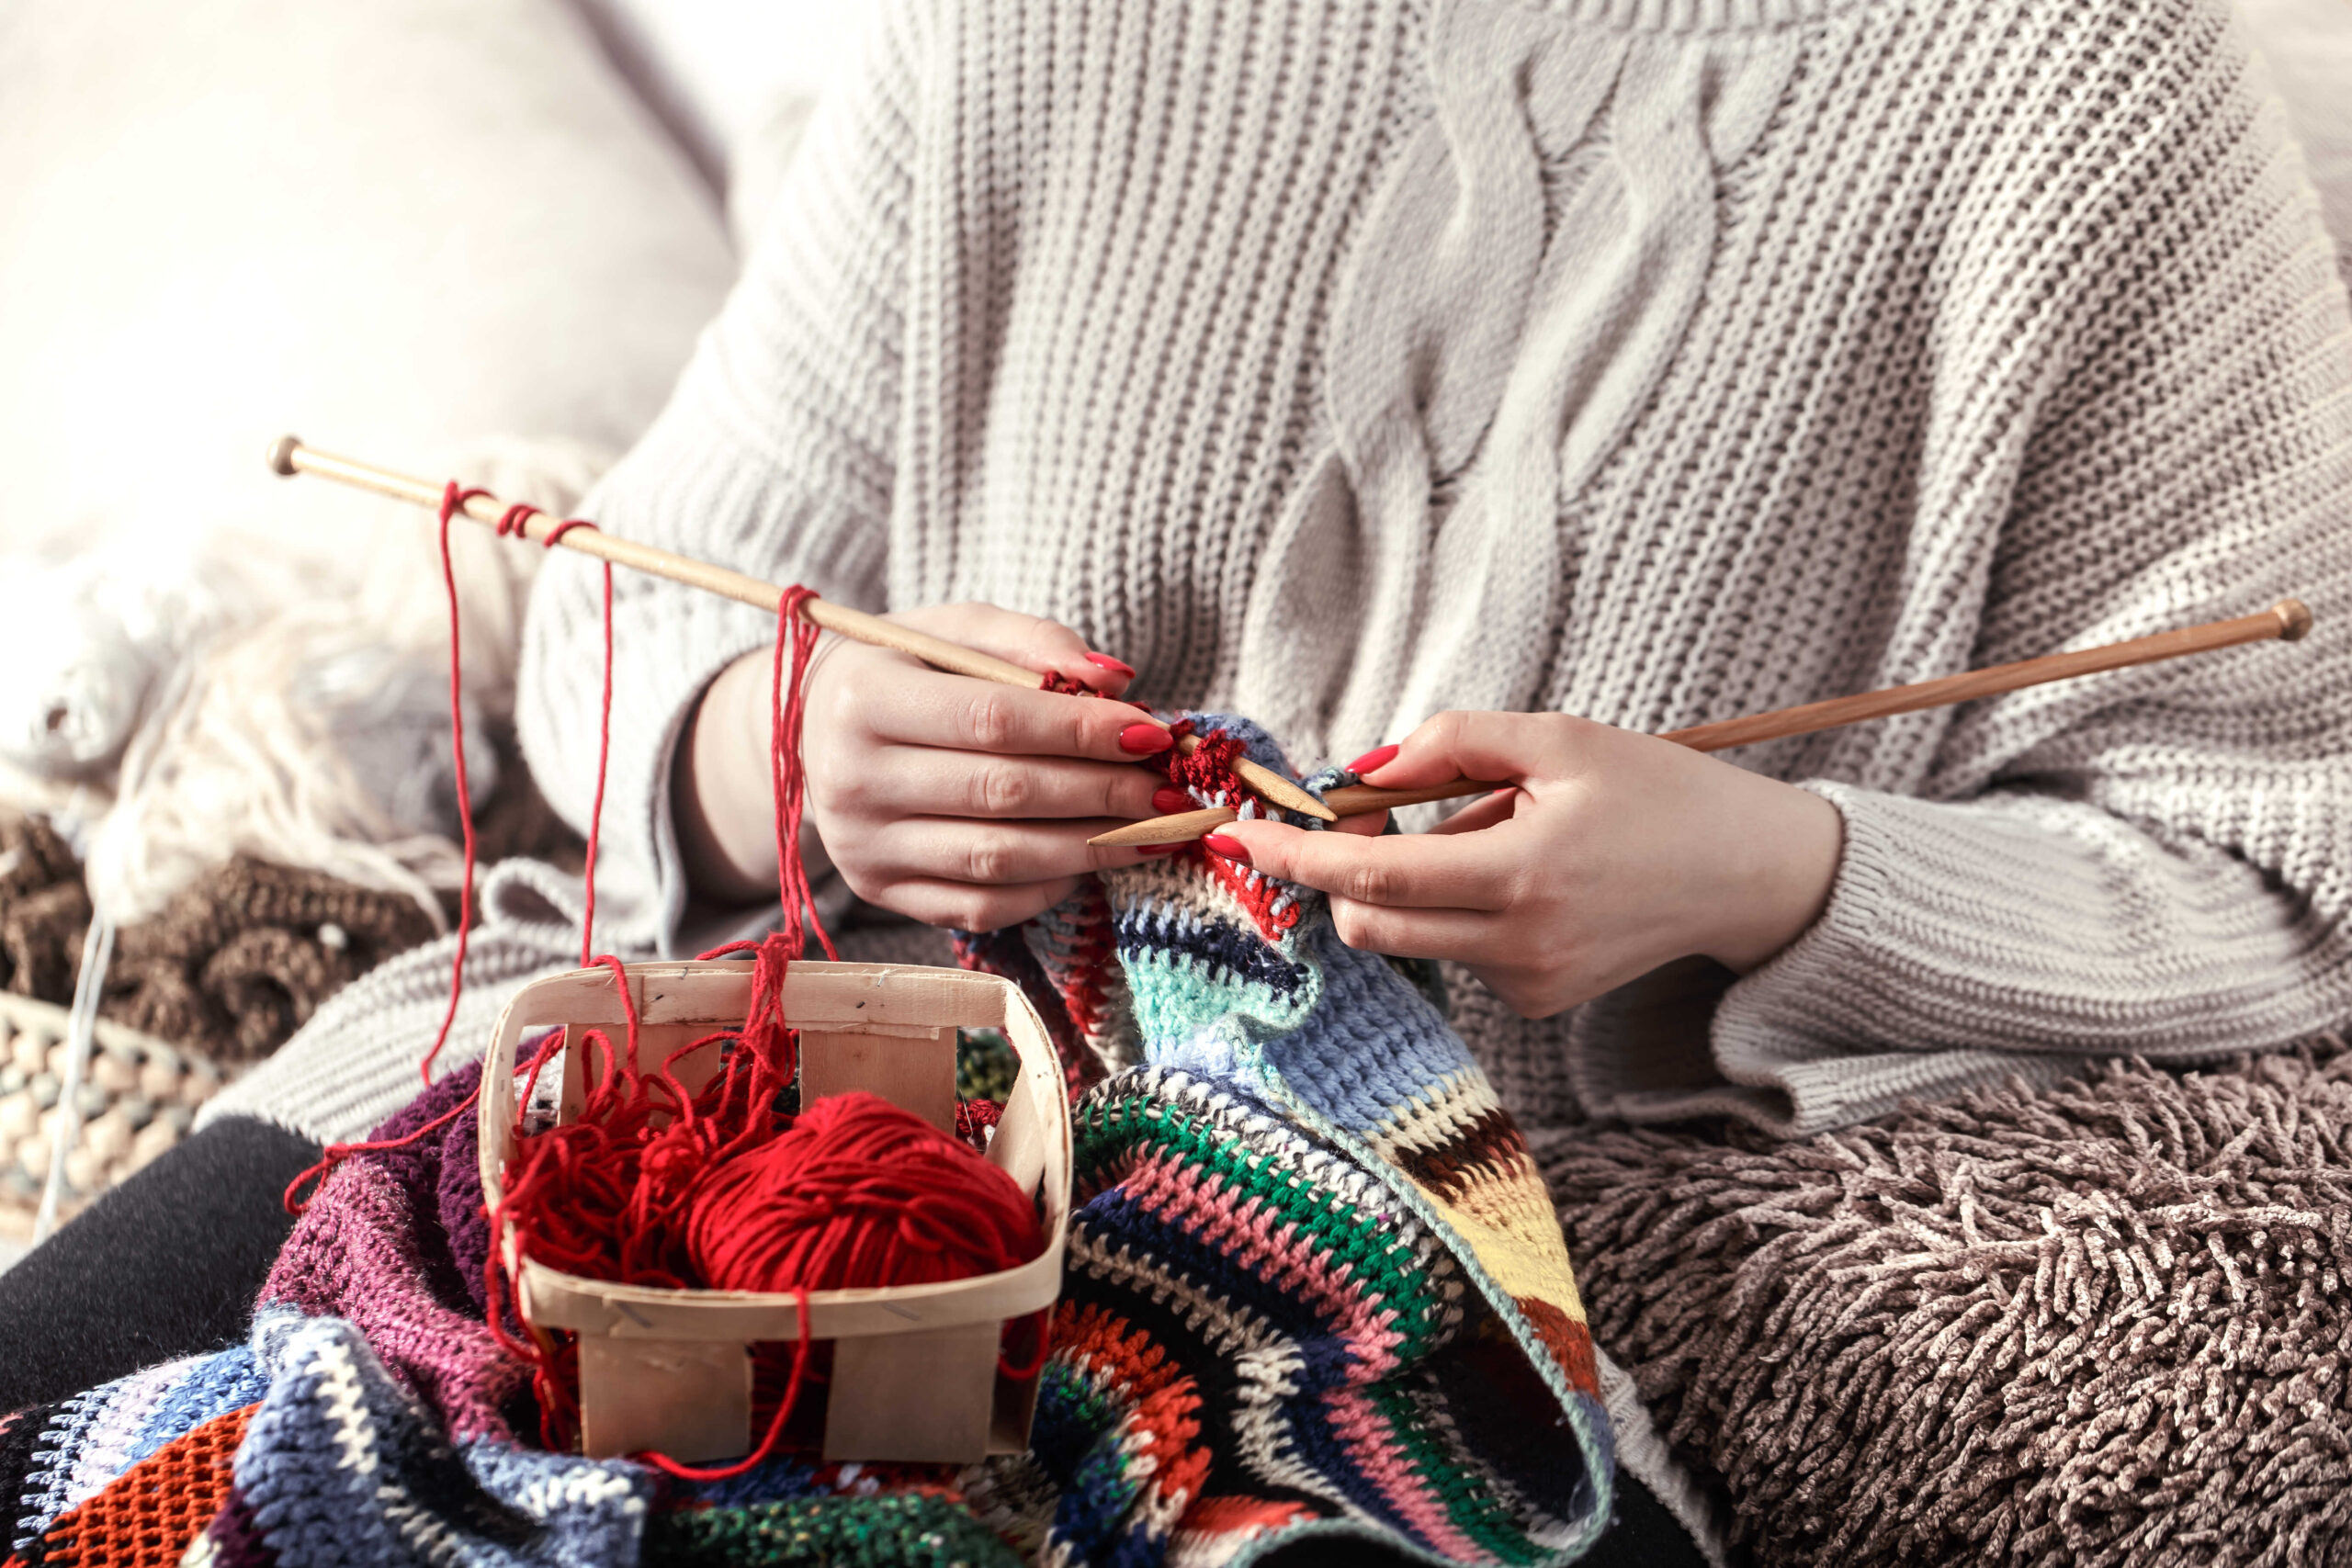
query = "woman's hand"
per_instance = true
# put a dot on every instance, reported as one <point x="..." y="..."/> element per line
<point x="956" y="801"/>
<point x="1616" y="853"/>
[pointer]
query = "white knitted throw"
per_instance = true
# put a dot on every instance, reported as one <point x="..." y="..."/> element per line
<point x="1339" y="361"/>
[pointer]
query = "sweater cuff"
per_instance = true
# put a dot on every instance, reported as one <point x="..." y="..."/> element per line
<point x="1850" y="1020"/>
<point x="1803" y="1042"/>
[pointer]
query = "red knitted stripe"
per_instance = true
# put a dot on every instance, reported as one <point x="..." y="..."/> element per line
<point x="146" y="1518"/>
<point x="1569" y="1341"/>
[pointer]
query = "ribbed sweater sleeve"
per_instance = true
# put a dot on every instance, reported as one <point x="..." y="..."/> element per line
<point x="2159" y="861"/>
<point x="774" y="456"/>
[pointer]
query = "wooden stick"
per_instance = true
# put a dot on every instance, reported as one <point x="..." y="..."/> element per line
<point x="287" y="456"/>
<point x="2287" y="621"/>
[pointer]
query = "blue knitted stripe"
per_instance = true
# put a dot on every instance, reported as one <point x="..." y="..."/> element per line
<point x="1222" y="953"/>
<point x="1170" y="1254"/>
<point x="210" y="1386"/>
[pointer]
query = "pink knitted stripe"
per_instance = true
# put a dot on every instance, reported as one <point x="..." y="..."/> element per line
<point x="1179" y="1194"/>
<point x="1385" y="1465"/>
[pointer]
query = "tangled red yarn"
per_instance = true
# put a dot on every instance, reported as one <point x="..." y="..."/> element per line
<point x="657" y="1184"/>
<point x="857" y="1192"/>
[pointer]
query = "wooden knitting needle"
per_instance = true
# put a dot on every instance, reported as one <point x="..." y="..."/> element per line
<point x="287" y="456"/>
<point x="2286" y="621"/>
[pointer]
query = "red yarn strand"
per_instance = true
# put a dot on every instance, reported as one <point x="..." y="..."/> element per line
<point x="656" y="1184"/>
<point x="795" y="634"/>
<point x="511" y="524"/>
<point x="452" y="498"/>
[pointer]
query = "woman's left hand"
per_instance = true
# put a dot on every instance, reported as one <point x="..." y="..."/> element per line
<point x="1616" y="852"/>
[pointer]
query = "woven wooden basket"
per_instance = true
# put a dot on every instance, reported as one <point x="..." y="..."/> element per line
<point x="139" y="1098"/>
<point x="914" y="1368"/>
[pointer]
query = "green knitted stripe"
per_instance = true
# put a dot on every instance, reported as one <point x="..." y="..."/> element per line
<point x="1392" y="1273"/>
<point x="1176" y="997"/>
<point x="1096" y="1399"/>
<point x="1470" y="1502"/>
<point x="986" y="1067"/>
<point x="897" y="1531"/>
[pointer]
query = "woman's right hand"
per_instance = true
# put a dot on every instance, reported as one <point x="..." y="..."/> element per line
<point x="956" y="801"/>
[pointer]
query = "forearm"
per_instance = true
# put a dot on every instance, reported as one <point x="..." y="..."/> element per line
<point x="2022" y="923"/>
<point x="722" y="798"/>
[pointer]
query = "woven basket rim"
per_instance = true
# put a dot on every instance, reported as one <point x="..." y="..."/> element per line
<point x="35" y="1015"/>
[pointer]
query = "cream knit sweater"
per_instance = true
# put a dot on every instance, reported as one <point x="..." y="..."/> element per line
<point x="1339" y="361"/>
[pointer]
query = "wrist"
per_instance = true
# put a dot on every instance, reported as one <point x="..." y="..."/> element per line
<point x="720" y="789"/>
<point x="1780" y="865"/>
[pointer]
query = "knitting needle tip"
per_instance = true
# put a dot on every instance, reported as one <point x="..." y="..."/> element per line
<point x="1281" y="791"/>
<point x="1179" y="828"/>
<point x="280" y="456"/>
<point x="2294" y="619"/>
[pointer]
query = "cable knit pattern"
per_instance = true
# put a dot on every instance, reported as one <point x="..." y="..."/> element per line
<point x="1654" y="360"/>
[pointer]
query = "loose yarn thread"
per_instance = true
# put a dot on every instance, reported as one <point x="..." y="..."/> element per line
<point x="657" y="1184"/>
<point x="510" y="524"/>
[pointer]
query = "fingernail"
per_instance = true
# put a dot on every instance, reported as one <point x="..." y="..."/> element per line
<point x="1165" y="800"/>
<point x="1116" y="666"/>
<point x="1372" y="762"/>
<point x="1145" y="739"/>
<point x="1231" y="848"/>
<point x="1158" y="848"/>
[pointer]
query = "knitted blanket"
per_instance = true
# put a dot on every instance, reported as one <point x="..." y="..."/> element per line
<point x="2106" y="1323"/>
<point x="233" y="965"/>
<point x="1315" y="1287"/>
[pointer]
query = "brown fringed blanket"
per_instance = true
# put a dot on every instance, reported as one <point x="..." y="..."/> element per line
<point x="2103" y="1324"/>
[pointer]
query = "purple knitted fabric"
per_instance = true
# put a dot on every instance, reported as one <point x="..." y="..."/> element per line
<point x="395" y="1241"/>
<point x="234" y="1539"/>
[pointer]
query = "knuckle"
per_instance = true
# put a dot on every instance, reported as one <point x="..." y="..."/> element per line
<point x="986" y="860"/>
<point x="988" y="721"/>
<point x="1368" y="884"/>
<point x="961" y="615"/>
<point x="840" y="792"/>
<point x="847" y="700"/>
<point x="1536" y="999"/>
<point x="1000" y="789"/>
<point x="1048" y="638"/>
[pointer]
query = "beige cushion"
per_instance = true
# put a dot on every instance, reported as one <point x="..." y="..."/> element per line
<point x="2308" y="46"/>
<point x="394" y="228"/>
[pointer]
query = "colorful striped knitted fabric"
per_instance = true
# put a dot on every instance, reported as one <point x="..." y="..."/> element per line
<point x="1314" y="1287"/>
<point x="1315" y="1279"/>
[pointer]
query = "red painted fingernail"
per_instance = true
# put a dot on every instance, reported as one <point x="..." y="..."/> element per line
<point x="1158" y="848"/>
<point x="1145" y="739"/>
<point x="1372" y="762"/>
<point x="1231" y="848"/>
<point x="1116" y="666"/>
<point x="1166" y="799"/>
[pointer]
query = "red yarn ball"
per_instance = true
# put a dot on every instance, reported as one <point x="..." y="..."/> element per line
<point x="857" y="1192"/>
